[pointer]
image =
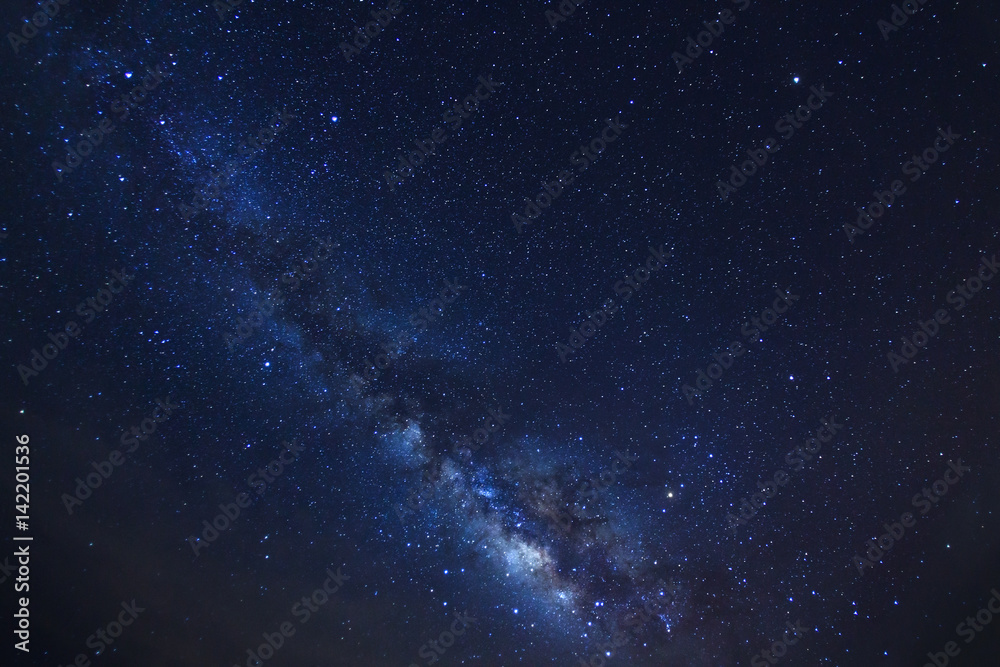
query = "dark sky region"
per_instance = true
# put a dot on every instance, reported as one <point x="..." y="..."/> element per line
<point x="494" y="333"/>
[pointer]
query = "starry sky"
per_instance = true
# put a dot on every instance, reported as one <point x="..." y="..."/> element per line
<point x="501" y="313"/>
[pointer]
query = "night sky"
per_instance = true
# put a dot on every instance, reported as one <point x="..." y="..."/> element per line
<point x="493" y="333"/>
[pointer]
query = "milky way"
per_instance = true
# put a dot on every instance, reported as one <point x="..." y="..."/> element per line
<point x="604" y="334"/>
